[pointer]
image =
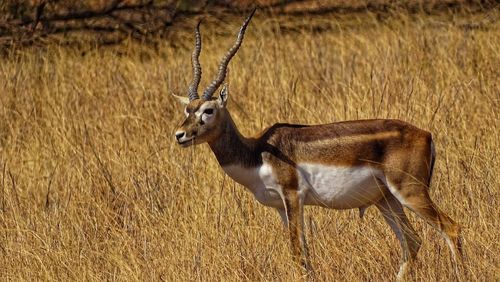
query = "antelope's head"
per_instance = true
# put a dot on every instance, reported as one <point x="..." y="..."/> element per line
<point x="205" y="115"/>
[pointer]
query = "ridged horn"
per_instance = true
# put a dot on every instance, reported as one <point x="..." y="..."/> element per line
<point x="193" y="88"/>
<point x="210" y="90"/>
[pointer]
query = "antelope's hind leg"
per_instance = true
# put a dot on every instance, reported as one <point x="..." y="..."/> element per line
<point x="394" y="215"/>
<point x="418" y="200"/>
<point x="411" y="189"/>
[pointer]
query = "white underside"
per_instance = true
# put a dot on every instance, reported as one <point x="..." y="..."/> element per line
<point x="329" y="186"/>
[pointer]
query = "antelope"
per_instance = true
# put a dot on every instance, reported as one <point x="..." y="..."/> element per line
<point x="342" y="165"/>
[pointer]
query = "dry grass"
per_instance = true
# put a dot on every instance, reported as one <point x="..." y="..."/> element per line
<point x="93" y="187"/>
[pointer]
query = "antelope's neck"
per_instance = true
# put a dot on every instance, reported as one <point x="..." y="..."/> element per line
<point x="232" y="148"/>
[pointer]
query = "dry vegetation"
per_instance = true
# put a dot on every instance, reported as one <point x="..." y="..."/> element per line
<point x="93" y="186"/>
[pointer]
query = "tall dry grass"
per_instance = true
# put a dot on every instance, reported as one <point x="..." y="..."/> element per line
<point x="93" y="186"/>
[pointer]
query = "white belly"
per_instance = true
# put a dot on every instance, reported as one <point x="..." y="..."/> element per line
<point x="329" y="186"/>
<point x="340" y="187"/>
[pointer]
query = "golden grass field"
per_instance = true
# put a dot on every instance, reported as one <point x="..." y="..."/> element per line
<point x="94" y="187"/>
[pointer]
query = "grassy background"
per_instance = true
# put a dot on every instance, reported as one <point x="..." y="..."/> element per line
<point x="93" y="186"/>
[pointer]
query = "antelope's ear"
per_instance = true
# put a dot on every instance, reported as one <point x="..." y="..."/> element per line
<point x="182" y="99"/>
<point x="224" y="93"/>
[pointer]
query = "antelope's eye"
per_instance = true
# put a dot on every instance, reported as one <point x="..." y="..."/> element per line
<point x="208" y="111"/>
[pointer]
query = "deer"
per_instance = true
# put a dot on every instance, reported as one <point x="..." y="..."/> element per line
<point x="356" y="164"/>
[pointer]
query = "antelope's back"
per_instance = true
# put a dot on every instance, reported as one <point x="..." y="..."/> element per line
<point x="348" y="143"/>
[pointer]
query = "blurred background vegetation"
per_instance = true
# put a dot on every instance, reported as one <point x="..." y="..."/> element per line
<point x="104" y="22"/>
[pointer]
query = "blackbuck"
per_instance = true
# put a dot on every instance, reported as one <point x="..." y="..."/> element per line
<point x="341" y="165"/>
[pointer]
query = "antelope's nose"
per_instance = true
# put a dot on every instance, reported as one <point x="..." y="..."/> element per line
<point x="179" y="135"/>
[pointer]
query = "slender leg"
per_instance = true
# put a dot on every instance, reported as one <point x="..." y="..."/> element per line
<point x="294" y="212"/>
<point x="411" y="187"/>
<point x="302" y="229"/>
<point x="394" y="215"/>
<point x="450" y="230"/>
<point x="415" y="196"/>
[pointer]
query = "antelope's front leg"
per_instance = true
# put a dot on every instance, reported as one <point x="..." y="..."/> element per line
<point x="295" y="213"/>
